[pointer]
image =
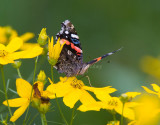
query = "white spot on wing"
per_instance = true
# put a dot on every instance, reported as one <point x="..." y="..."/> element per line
<point x="66" y="32"/>
<point x="74" y="36"/>
<point x="69" y="52"/>
<point x="110" y="53"/>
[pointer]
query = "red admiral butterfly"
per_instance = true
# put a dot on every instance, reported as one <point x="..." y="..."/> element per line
<point x="70" y="61"/>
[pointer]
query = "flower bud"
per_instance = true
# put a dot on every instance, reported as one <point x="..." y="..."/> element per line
<point x="36" y="102"/>
<point x="113" y="123"/>
<point x="42" y="39"/>
<point x="41" y="76"/>
<point x="124" y="98"/>
<point x="16" y="64"/>
<point x="44" y="105"/>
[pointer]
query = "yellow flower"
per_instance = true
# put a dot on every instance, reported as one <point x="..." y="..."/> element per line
<point x="151" y="66"/>
<point x="8" y="54"/>
<point x="24" y="91"/>
<point x="156" y="89"/>
<point x="54" y="51"/>
<point x="112" y="103"/>
<point x="72" y="90"/>
<point x="147" y="112"/>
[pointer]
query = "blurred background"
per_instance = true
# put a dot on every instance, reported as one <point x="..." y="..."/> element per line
<point x="103" y="26"/>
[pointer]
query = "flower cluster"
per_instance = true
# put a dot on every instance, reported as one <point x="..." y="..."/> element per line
<point x="133" y="106"/>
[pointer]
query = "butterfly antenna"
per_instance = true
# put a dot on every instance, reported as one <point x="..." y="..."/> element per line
<point x="100" y="58"/>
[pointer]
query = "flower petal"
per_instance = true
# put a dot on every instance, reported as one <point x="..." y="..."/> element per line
<point x="28" y="46"/>
<point x="2" y="47"/>
<point x="127" y="112"/>
<point x="72" y="97"/>
<point x="19" y="112"/>
<point x="31" y="53"/>
<point x="93" y="106"/>
<point x="14" y="44"/>
<point x="156" y="87"/>
<point x="60" y="89"/>
<point x="16" y="102"/>
<point x="148" y="90"/>
<point x="101" y="93"/>
<point x="23" y="88"/>
<point x="27" y="36"/>
<point x="86" y="98"/>
<point x="6" y="60"/>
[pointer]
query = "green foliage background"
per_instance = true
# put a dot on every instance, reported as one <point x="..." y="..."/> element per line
<point x="103" y="26"/>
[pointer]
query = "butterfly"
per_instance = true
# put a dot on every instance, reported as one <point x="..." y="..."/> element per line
<point x="70" y="61"/>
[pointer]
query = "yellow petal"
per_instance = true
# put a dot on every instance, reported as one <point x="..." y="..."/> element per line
<point x="31" y="53"/>
<point x="27" y="36"/>
<point x="2" y="47"/>
<point x="60" y="89"/>
<point x="14" y="44"/>
<point x="93" y="106"/>
<point x="101" y="93"/>
<point x="19" y="112"/>
<point x="86" y="98"/>
<point x="6" y="60"/>
<point x="127" y="112"/>
<point x="132" y="104"/>
<point x="72" y="97"/>
<point x="28" y="46"/>
<point x="16" y="102"/>
<point x="48" y="95"/>
<point x="148" y="90"/>
<point x="156" y="87"/>
<point x="23" y="88"/>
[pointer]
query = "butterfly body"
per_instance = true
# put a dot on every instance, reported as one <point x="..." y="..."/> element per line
<point x="70" y="61"/>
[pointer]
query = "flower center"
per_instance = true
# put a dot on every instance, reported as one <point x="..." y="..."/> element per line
<point x="3" y="53"/>
<point x="77" y="84"/>
<point x="113" y="102"/>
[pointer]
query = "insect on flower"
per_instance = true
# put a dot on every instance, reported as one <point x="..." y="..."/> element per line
<point x="70" y="61"/>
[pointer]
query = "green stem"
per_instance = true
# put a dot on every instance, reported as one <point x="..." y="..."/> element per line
<point x="73" y="110"/>
<point x="19" y="73"/>
<point x="57" y="99"/>
<point x="122" y="114"/>
<point x="35" y="66"/>
<point x="52" y="73"/>
<point x="61" y="112"/>
<point x="114" y="114"/>
<point x="5" y="91"/>
<point x="43" y="119"/>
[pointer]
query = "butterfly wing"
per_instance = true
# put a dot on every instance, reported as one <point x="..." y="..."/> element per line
<point x="71" y="59"/>
<point x="88" y="64"/>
